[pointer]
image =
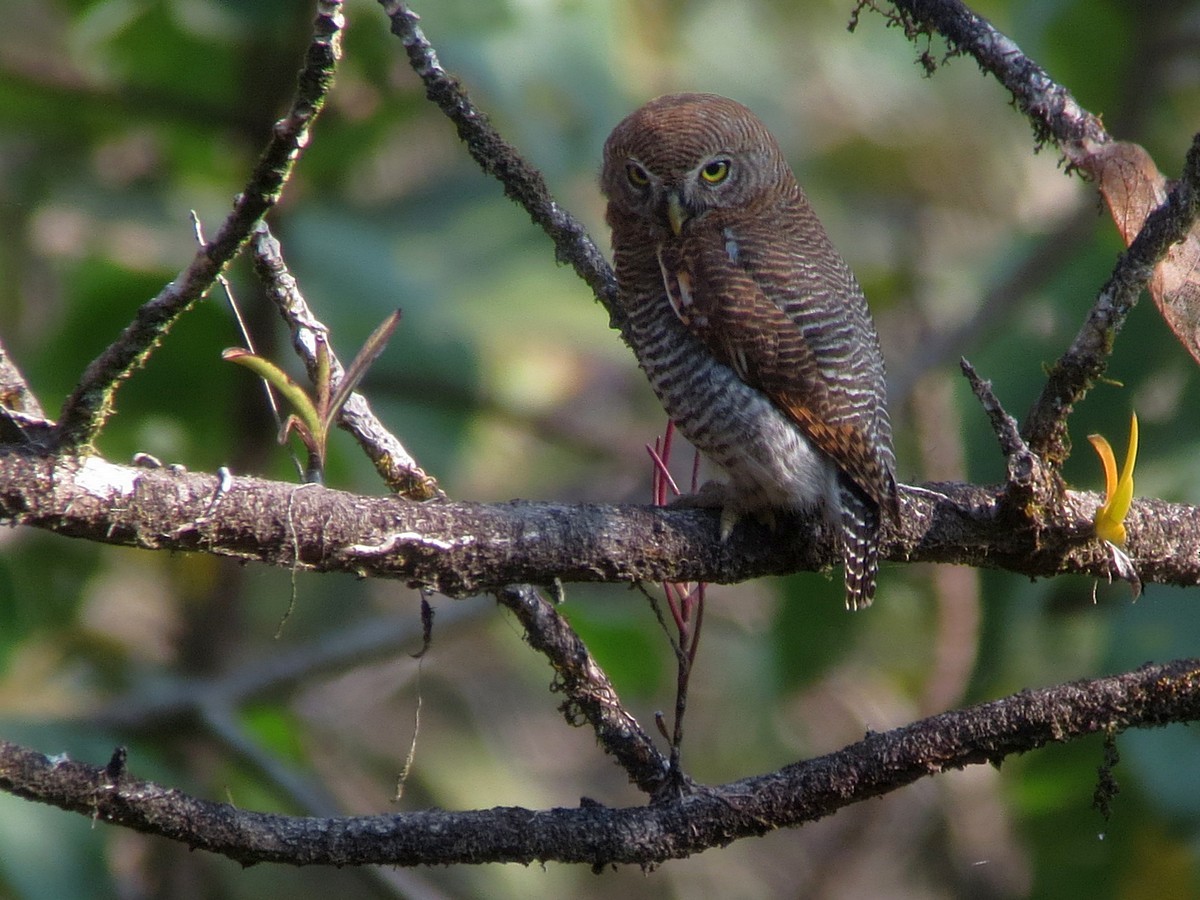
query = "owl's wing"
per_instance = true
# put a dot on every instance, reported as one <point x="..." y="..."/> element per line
<point x="752" y="313"/>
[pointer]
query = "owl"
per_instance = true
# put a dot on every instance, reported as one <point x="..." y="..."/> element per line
<point x="750" y="326"/>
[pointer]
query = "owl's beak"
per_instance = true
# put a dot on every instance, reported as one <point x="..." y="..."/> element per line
<point x="676" y="214"/>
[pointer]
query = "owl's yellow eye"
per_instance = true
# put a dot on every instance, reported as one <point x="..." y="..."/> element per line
<point x="636" y="174"/>
<point x="716" y="171"/>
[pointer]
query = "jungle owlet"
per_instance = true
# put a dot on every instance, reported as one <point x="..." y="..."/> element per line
<point x="748" y="323"/>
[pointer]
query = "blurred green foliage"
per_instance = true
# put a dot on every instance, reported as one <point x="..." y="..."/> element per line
<point x="118" y="117"/>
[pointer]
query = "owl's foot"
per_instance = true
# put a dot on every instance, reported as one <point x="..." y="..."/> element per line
<point x="713" y="495"/>
<point x="729" y="518"/>
<point x="718" y="495"/>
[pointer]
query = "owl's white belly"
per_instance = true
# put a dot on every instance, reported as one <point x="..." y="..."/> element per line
<point x="769" y="461"/>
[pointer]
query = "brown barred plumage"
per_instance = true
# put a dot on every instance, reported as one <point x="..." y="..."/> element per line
<point x="749" y="324"/>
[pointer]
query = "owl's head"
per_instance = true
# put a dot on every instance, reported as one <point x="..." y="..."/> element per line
<point x="674" y="159"/>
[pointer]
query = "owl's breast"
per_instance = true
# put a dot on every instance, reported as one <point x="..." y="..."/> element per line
<point x="769" y="461"/>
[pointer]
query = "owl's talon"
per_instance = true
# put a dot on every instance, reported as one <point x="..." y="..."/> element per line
<point x="714" y="495"/>
<point x="729" y="518"/>
<point x="731" y="515"/>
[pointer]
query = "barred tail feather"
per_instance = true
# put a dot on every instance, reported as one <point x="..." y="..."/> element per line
<point x="860" y="544"/>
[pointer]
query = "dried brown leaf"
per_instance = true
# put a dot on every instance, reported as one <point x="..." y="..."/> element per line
<point x="1175" y="288"/>
<point x="1133" y="187"/>
<point x="1130" y="183"/>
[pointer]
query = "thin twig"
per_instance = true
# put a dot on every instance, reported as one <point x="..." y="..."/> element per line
<point x="90" y="403"/>
<point x="22" y="419"/>
<point x="1086" y="359"/>
<point x="15" y="393"/>
<point x="395" y="465"/>
<point x="590" y="696"/>
<point x="1049" y="106"/>
<point x="1004" y="425"/>
<point x="1056" y="116"/>
<point x="522" y="182"/>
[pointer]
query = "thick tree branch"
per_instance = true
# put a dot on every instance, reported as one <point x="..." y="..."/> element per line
<point x="467" y="548"/>
<point x="799" y="793"/>
<point x="90" y="404"/>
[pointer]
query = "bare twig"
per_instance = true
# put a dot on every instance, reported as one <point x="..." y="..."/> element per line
<point x="590" y="694"/>
<point x="1004" y="425"/>
<point x="15" y="393"/>
<point x="1149" y="697"/>
<point x="1087" y="357"/>
<point x="90" y="404"/>
<point x="686" y="602"/>
<point x="522" y="182"/>
<point x="22" y="420"/>
<point x="1049" y="106"/>
<point x="1056" y="116"/>
<point x="1034" y="495"/>
<point x="395" y="465"/>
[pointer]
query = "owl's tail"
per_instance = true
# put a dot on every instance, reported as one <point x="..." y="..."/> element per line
<point x="860" y="544"/>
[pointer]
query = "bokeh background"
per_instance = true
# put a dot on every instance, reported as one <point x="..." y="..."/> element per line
<point x="299" y="693"/>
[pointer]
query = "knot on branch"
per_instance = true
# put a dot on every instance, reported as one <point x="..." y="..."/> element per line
<point x="1034" y="496"/>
